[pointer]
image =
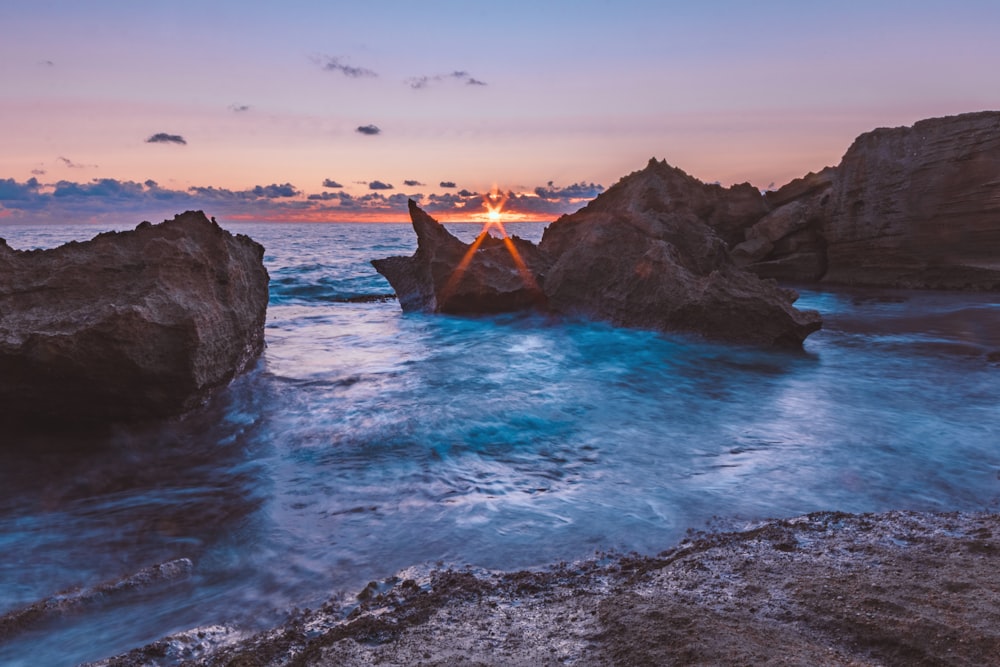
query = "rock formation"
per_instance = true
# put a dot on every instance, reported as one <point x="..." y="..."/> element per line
<point x="908" y="207"/>
<point x="129" y="325"/>
<point x="644" y="254"/>
<point x="640" y="255"/>
<point x="446" y="275"/>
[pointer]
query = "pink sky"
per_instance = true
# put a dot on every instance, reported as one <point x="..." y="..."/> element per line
<point x="551" y="101"/>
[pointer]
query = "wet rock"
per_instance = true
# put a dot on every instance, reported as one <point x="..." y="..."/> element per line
<point x="829" y="588"/>
<point x="447" y="275"/>
<point x="645" y="254"/>
<point x="129" y="325"/>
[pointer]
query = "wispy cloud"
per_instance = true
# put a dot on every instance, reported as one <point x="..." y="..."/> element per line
<point x="239" y="108"/>
<point x="330" y="183"/>
<point x="370" y="130"/>
<point x="164" y="138"/>
<point x="336" y="64"/>
<point x="412" y="184"/>
<point x="74" y="165"/>
<point x="460" y="76"/>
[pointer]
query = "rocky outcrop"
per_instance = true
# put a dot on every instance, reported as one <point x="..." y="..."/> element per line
<point x="446" y="275"/>
<point x="907" y="207"/>
<point x="640" y="255"/>
<point x="129" y="325"/>
<point x="829" y="588"/>
<point x="645" y="254"/>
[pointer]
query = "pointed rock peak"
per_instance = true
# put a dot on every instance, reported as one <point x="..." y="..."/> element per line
<point x="429" y="230"/>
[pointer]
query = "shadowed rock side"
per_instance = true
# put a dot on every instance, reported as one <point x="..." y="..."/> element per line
<point x="446" y="275"/>
<point x="129" y="325"/>
<point x="645" y="254"/>
<point x="638" y="256"/>
<point x="915" y="207"/>
<point x="829" y="588"/>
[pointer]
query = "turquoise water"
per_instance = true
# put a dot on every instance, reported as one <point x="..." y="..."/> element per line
<point x="367" y="440"/>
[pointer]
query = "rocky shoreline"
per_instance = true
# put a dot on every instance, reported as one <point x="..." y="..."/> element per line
<point x="898" y="588"/>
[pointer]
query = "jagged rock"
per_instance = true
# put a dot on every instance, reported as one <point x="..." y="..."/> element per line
<point x="129" y="325"/>
<point x="639" y="255"/>
<point x="644" y="254"/>
<point x="447" y="275"/>
<point x="911" y="207"/>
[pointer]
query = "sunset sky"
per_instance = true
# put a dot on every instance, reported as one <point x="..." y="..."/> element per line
<point x="121" y="111"/>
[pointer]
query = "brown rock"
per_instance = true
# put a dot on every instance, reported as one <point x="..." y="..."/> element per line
<point x="130" y="325"/>
<point x="919" y="206"/>
<point x="644" y="254"/>
<point x="446" y="275"/>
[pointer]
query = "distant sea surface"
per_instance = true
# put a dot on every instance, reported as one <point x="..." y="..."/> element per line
<point x="367" y="440"/>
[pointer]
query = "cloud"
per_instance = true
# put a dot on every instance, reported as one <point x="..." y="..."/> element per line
<point x="46" y="63"/>
<point x="379" y="185"/>
<point x="579" y="190"/>
<point x="275" y="191"/>
<point x="370" y="130"/>
<point x="466" y="193"/>
<point x="74" y="165"/>
<point x="447" y="184"/>
<point x="38" y="172"/>
<point x="334" y="64"/>
<point x="330" y="183"/>
<point x="239" y="108"/>
<point x="164" y="138"/>
<point x="420" y="82"/>
<point x="412" y="184"/>
<point x="11" y="190"/>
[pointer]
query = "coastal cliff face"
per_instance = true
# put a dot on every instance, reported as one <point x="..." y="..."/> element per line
<point x="129" y="325"/>
<point x="911" y="207"/>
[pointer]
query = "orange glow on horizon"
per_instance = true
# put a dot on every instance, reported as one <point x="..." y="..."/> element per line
<point x="493" y="202"/>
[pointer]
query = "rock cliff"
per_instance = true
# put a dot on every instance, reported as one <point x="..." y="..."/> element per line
<point x="129" y="325"/>
<point x="908" y="207"/>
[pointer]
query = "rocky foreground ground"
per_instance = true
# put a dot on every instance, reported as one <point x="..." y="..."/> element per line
<point x="899" y="588"/>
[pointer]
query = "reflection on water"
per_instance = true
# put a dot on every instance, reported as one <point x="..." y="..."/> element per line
<point x="368" y="440"/>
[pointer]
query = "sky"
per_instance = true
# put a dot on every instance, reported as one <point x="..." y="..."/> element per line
<point x="116" y="112"/>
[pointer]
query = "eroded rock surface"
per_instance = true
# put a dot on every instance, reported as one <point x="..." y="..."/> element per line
<point x="911" y="207"/>
<point x="129" y="325"/>
<point x="898" y="588"/>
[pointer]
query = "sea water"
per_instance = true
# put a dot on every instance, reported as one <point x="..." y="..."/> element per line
<point x="367" y="440"/>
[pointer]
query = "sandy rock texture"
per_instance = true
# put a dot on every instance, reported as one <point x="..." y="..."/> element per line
<point x="898" y="588"/>
<point x="129" y="325"/>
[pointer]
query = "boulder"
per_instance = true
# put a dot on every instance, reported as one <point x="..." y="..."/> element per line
<point x="130" y="325"/>
<point x="645" y="254"/>
<point x="447" y="275"/>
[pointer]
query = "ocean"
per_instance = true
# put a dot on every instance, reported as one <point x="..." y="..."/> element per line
<point x="367" y="440"/>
